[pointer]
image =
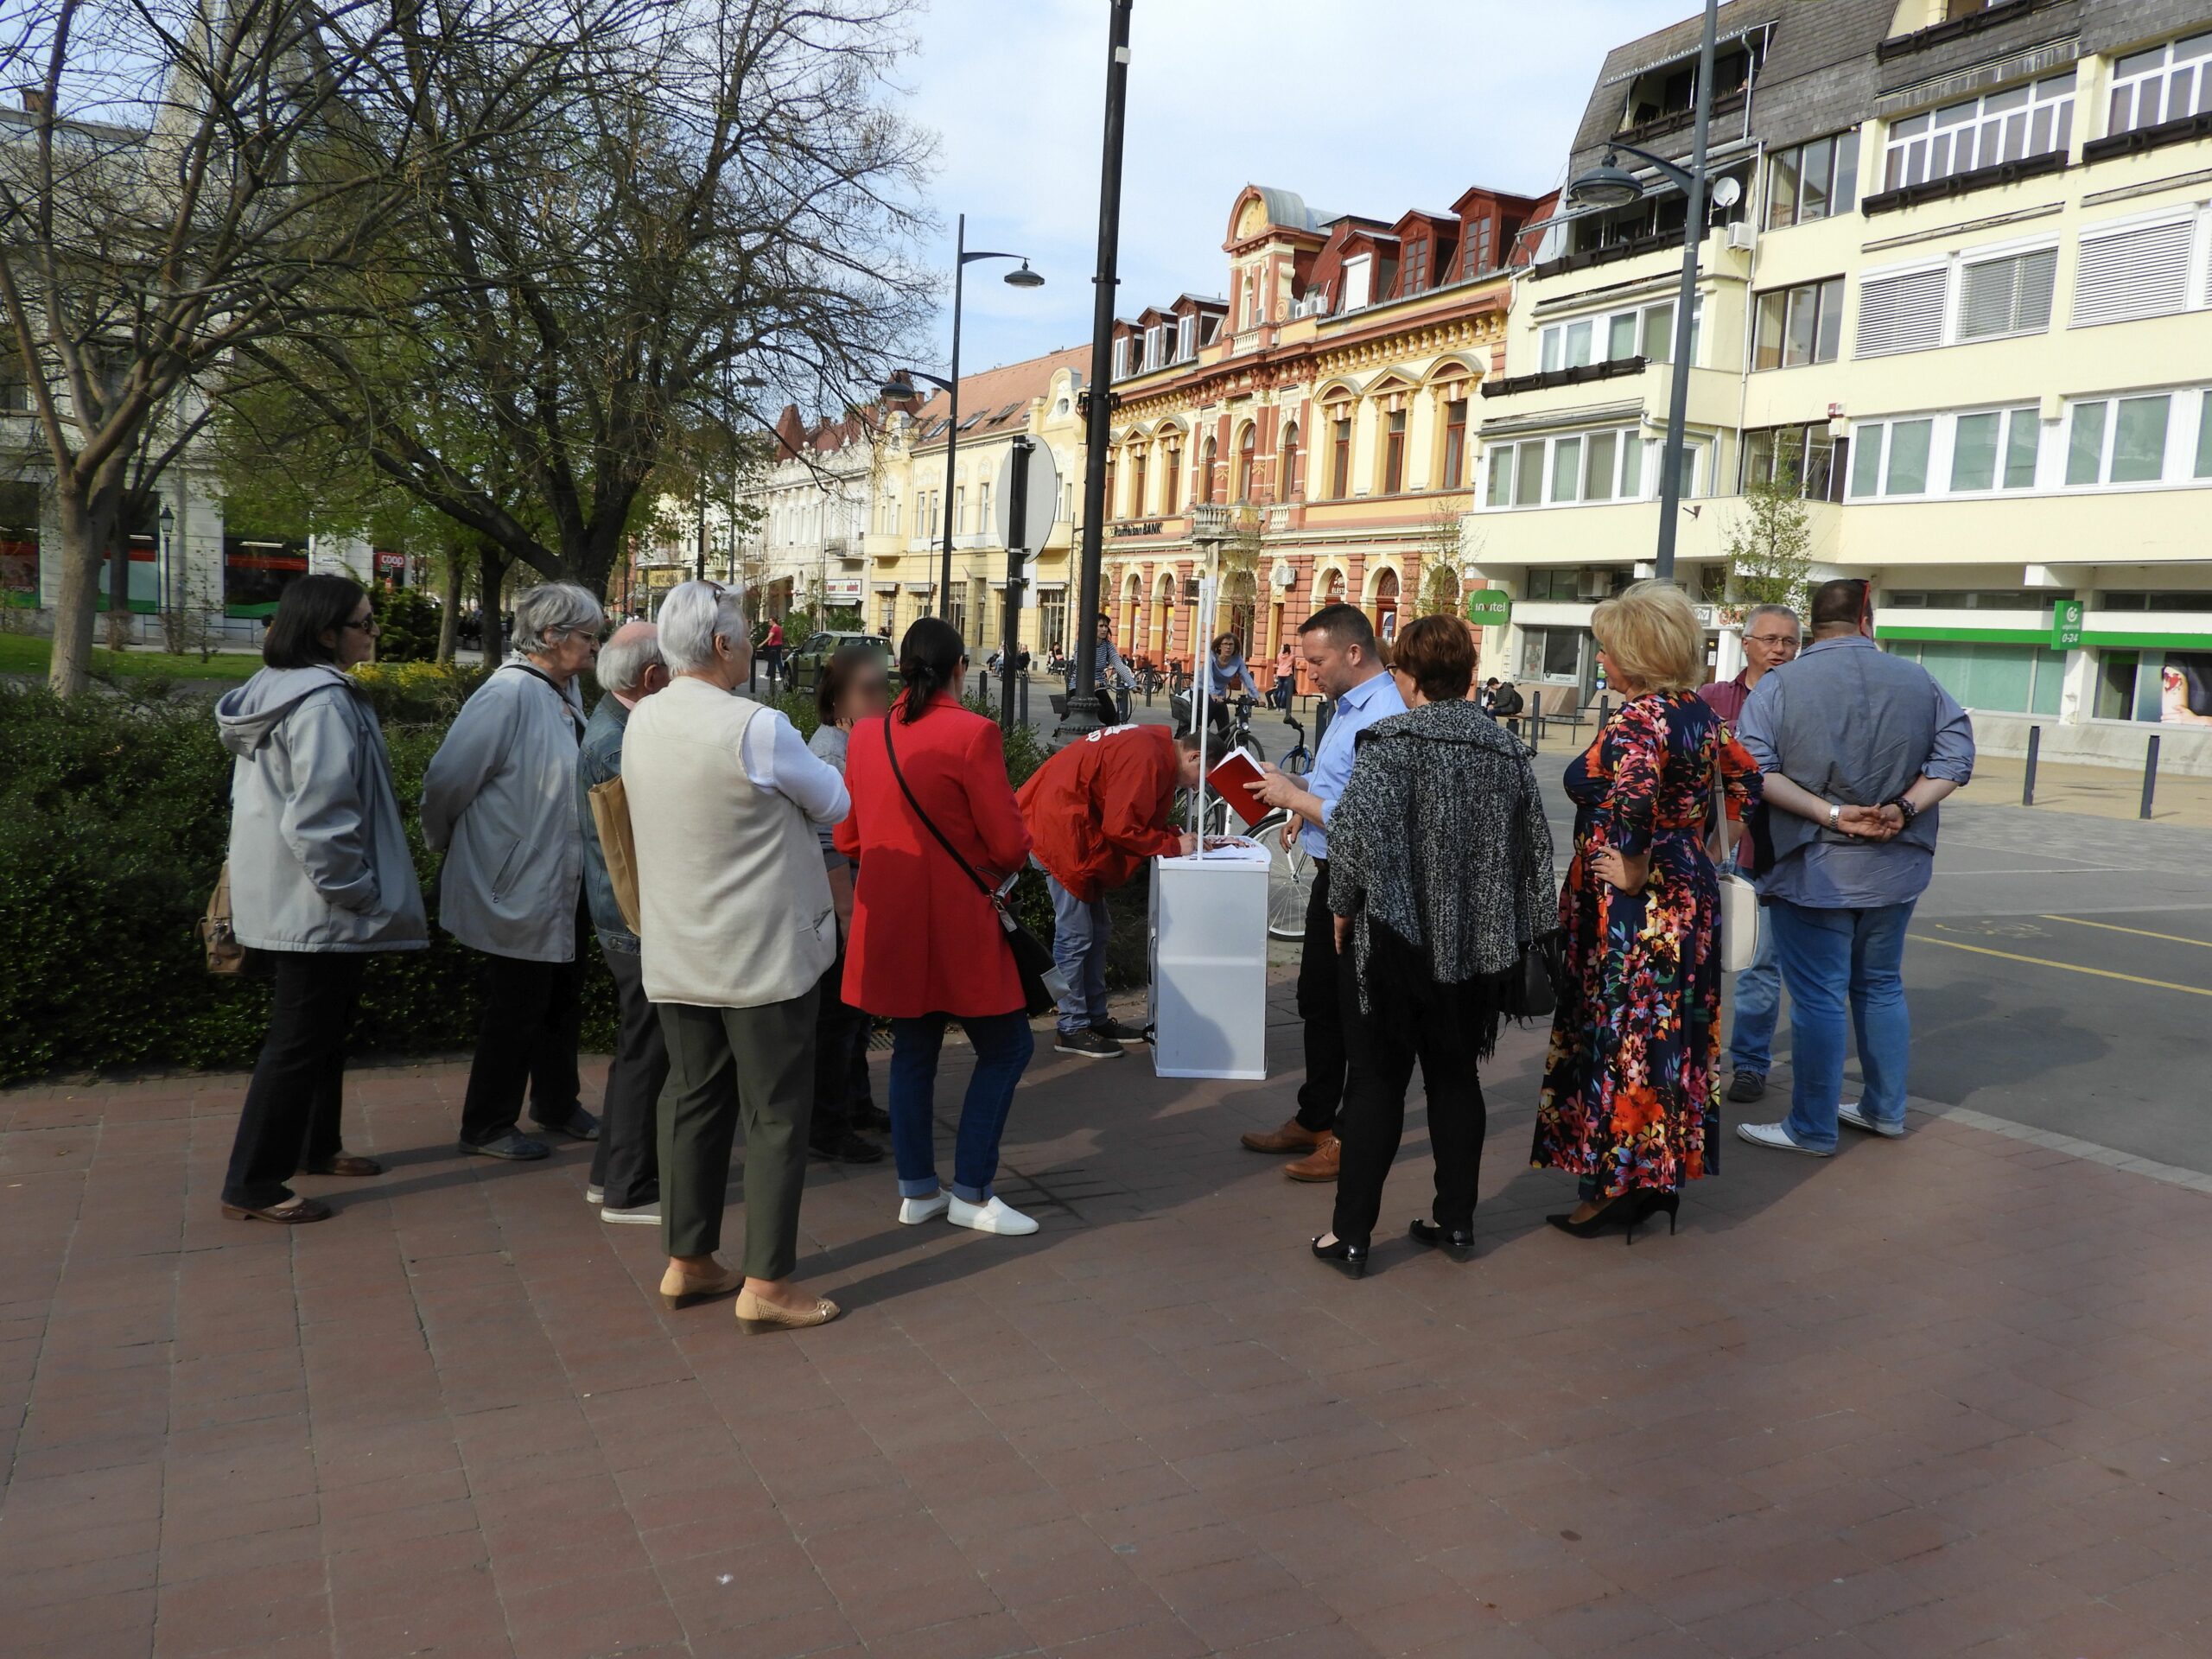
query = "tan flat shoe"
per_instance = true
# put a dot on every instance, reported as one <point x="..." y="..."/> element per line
<point x="755" y="1317"/>
<point x="679" y="1289"/>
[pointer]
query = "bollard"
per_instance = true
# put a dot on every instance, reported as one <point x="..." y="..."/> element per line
<point x="1534" y="720"/>
<point x="2150" y="774"/>
<point x="2028" y="782"/>
<point x="1022" y="702"/>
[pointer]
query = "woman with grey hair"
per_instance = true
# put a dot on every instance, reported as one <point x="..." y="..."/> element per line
<point x="499" y="801"/>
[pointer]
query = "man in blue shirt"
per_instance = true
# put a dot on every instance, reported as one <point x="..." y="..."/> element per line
<point x="1339" y="644"/>
<point x="1857" y="748"/>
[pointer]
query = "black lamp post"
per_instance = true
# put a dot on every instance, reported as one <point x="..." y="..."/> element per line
<point x="1610" y="185"/>
<point x="900" y="385"/>
<point x="169" y="590"/>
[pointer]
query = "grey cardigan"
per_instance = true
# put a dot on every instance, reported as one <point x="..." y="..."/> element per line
<point x="319" y="856"/>
<point x="499" y="800"/>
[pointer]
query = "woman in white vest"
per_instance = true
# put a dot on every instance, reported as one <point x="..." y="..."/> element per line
<point x="737" y="929"/>
<point x="499" y="801"/>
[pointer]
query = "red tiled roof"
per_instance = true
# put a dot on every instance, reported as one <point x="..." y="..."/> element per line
<point x="1003" y="395"/>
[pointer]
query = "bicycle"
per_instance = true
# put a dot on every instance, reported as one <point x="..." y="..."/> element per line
<point x="1290" y="871"/>
<point x="1299" y="759"/>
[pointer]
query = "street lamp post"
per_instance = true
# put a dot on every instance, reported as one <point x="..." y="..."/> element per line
<point x="1610" y="185"/>
<point x="901" y="386"/>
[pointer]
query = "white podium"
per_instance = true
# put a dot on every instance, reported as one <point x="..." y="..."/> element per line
<point x="1209" y="940"/>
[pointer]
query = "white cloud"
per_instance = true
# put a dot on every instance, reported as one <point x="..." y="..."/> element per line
<point x="1371" y="106"/>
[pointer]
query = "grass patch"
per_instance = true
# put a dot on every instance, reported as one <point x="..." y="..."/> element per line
<point x="29" y="653"/>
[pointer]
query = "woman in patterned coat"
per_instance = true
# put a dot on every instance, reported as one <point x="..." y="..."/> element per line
<point x="1628" y="1103"/>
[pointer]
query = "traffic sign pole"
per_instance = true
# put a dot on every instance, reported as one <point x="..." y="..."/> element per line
<point x="1016" y="497"/>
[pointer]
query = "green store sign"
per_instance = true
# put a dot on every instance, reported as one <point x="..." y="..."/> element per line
<point x="2065" y="624"/>
<point x="1490" y="608"/>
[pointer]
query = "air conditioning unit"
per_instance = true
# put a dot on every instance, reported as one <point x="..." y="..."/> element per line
<point x="1595" y="585"/>
<point x="1741" y="236"/>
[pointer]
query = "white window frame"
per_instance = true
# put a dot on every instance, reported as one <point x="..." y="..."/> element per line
<point x="1551" y="338"/>
<point x="1649" y="451"/>
<point x="1186" y="336"/>
<point x="1364" y="266"/>
<point x="1953" y="265"/>
<point x="1155" y="343"/>
<point x="1925" y="130"/>
<point x="2198" y="61"/>
<point x="2197" y="285"/>
<point x="2189" y="407"/>
<point x="1954" y="305"/>
<point x="2178" y="457"/>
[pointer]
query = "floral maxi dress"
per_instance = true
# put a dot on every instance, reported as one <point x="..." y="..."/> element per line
<point x="1629" y="1099"/>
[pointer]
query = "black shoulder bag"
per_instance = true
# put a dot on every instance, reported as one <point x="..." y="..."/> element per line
<point x="1042" y="983"/>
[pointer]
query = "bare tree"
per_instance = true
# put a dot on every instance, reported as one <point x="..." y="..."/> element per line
<point x="722" y="202"/>
<point x="184" y="177"/>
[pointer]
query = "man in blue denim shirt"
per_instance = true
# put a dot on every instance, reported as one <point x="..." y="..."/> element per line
<point x="1341" y="654"/>
<point x="1857" y="748"/>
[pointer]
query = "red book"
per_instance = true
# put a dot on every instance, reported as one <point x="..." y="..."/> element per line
<point x="1230" y="780"/>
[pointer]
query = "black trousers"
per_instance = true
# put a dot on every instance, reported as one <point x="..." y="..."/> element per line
<point x="1321" y="976"/>
<point x="292" y="1106"/>
<point x="533" y="1019"/>
<point x="1416" y="1021"/>
<point x="840" y="1058"/>
<point x="626" y="1161"/>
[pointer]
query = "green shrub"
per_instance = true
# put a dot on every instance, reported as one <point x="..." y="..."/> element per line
<point x="407" y="624"/>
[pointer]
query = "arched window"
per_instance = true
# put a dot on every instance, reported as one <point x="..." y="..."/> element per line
<point x="1292" y="479"/>
<point x="1206" y="473"/>
<point x="1138" y="465"/>
<point x="1332" y="588"/>
<point x="1113" y="502"/>
<point x="1386" y="606"/>
<point x="1244" y="448"/>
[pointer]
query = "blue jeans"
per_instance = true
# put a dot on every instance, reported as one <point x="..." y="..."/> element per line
<point x="1081" y="933"/>
<point x="1003" y="1046"/>
<point x="1833" y="961"/>
<point x="1758" y="1004"/>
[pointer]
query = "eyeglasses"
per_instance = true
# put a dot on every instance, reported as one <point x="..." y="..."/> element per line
<point x="1770" y="639"/>
<point x="368" y="624"/>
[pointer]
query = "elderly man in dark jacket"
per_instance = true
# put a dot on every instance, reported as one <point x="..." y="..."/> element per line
<point x="626" y="1165"/>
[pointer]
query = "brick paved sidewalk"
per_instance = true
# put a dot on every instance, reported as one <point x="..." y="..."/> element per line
<point x="1951" y="1396"/>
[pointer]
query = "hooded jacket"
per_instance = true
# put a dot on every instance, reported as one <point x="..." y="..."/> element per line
<point x="499" y="800"/>
<point x="319" y="856"/>
<point x="1099" y="808"/>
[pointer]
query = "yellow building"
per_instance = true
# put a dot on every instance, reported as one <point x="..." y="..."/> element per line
<point x="1959" y="299"/>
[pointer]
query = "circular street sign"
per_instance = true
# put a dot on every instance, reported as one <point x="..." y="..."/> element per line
<point x="1044" y="505"/>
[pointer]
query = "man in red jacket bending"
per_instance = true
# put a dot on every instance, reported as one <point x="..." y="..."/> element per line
<point x="1096" y="811"/>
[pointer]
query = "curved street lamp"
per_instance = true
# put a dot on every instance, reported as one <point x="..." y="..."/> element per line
<point x="1610" y="185"/>
<point x="900" y="385"/>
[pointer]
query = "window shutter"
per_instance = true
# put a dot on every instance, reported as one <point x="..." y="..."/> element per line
<point x="2009" y="296"/>
<point x="2138" y="273"/>
<point x="1901" y="314"/>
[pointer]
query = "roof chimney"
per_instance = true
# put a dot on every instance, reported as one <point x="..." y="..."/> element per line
<point x="33" y="99"/>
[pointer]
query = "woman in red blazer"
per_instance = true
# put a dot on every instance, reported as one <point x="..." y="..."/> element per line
<point x="927" y="945"/>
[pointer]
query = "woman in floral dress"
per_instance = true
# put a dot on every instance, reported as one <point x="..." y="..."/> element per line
<point x="1628" y="1102"/>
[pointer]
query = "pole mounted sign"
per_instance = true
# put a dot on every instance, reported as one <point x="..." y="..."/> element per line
<point x="2065" y="624"/>
<point x="1490" y="607"/>
<point x="1043" y="502"/>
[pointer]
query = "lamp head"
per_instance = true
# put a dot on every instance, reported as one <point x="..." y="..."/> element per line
<point x="899" y="389"/>
<point x="1025" y="278"/>
<point x="1606" y="185"/>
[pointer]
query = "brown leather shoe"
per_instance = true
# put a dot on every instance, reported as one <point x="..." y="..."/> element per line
<point x="1294" y="1136"/>
<point x="1322" y="1166"/>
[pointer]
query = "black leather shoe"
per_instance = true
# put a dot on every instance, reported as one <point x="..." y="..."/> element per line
<point x="1459" y="1242"/>
<point x="1343" y="1254"/>
<point x="847" y="1148"/>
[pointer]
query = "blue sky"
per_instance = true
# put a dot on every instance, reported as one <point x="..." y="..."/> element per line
<point x="1360" y="105"/>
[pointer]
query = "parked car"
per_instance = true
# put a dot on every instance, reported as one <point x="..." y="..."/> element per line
<point x="803" y="667"/>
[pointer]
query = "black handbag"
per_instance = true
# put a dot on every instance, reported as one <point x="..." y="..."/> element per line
<point x="1042" y="983"/>
<point x="1535" y="985"/>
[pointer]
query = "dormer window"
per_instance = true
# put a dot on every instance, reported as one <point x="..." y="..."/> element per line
<point x="1416" y="267"/>
<point x="1480" y="255"/>
<point x="1155" y="342"/>
<point x="1186" y="338"/>
<point x="1358" y="272"/>
<point x="1670" y="89"/>
<point x="1120" y="356"/>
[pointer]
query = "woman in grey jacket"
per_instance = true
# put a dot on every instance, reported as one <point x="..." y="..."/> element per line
<point x="320" y="877"/>
<point x="499" y="801"/>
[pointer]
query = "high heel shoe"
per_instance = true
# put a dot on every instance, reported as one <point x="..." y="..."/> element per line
<point x="1620" y="1213"/>
<point x="1654" y="1202"/>
<point x="1459" y="1242"/>
<point x="1343" y="1254"/>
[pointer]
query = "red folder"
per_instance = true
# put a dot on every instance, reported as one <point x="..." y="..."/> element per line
<point x="1228" y="780"/>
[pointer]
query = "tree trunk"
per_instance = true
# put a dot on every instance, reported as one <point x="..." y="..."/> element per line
<point x="449" y="606"/>
<point x="83" y="537"/>
<point x="491" y="562"/>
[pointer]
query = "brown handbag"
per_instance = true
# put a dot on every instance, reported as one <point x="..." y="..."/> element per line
<point x="610" y="816"/>
<point x="225" y="954"/>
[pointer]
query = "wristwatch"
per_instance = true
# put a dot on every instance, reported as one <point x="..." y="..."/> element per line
<point x="1835" y="815"/>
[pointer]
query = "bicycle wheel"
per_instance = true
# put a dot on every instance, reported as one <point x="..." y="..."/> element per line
<point x="1290" y="882"/>
<point x="1297" y="762"/>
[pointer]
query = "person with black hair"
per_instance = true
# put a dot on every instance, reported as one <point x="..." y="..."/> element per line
<point x="320" y="879"/>
<point x="934" y="823"/>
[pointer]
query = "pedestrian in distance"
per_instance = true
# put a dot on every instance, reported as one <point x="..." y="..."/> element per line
<point x="1629" y="1103"/>
<point x="933" y="816"/>
<point x="1857" y="747"/>
<point x="1344" y="660"/>
<point x="499" y="801"/>
<point x="855" y="686"/>
<point x="737" y="927"/>
<point x="1506" y="705"/>
<point x="625" y="1164"/>
<point x="1486" y="699"/>
<point x="321" y="879"/>
<point x="1439" y="876"/>
<point x="1771" y="636"/>
<point x="1286" y="683"/>
<point x="1096" y="811"/>
<point x="772" y="650"/>
<point x="1111" y="677"/>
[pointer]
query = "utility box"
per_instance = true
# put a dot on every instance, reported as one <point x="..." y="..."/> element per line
<point x="1208" y="937"/>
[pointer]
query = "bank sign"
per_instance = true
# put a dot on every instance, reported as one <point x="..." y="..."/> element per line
<point x="2065" y="624"/>
<point x="1490" y="608"/>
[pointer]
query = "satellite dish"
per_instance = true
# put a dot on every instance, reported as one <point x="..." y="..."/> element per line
<point x="1726" y="192"/>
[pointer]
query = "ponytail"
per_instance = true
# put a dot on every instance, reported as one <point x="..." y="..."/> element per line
<point x="929" y="662"/>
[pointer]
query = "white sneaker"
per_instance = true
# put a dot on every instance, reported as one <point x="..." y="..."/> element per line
<point x="595" y="1195"/>
<point x="642" y="1214"/>
<point x="996" y="1216"/>
<point x="1773" y="1136"/>
<point x="1854" y="1113"/>
<point x="914" y="1211"/>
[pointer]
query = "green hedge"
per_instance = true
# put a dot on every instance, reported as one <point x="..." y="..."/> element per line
<point x="113" y="823"/>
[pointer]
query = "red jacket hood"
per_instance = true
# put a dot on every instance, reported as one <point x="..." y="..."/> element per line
<point x="1099" y="808"/>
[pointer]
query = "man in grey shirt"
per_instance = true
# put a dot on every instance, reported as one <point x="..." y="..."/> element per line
<point x="1857" y="748"/>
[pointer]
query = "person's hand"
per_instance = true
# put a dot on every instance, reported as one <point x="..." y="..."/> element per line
<point x="1290" y="832"/>
<point x="1342" y="926"/>
<point x="1190" y="844"/>
<point x="1871" y="823"/>
<point x="1275" y="788"/>
<point x="1617" y="869"/>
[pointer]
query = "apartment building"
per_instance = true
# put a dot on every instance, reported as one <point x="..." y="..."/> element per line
<point x="1955" y="291"/>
